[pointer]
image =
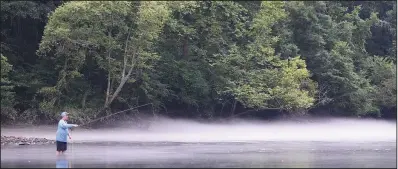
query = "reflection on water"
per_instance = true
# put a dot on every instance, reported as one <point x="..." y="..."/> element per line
<point x="161" y="154"/>
<point x="62" y="162"/>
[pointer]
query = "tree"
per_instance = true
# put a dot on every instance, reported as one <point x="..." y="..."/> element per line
<point x="109" y="40"/>
<point x="6" y="90"/>
<point x="7" y="95"/>
<point x="382" y="76"/>
<point x="200" y="58"/>
<point x="332" y="39"/>
<point x="21" y="30"/>
<point x="197" y="32"/>
<point x="260" y="79"/>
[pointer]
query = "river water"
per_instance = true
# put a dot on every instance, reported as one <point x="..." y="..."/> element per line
<point x="336" y="143"/>
<point x="238" y="154"/>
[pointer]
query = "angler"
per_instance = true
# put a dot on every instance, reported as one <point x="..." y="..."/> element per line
<point x="63" y="133"/>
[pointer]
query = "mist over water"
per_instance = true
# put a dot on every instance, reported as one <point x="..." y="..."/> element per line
<point x="313" y="143"/>
<point x="178" y="130"/>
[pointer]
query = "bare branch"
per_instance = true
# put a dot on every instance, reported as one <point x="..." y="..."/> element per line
<point x="122" y="82"/>
<point x="125" y="54"/>
<point x="109" y="75"/>
<point x="109" y="81"/>
<point x="322" y="96"/>
<point x="131" y="66"/>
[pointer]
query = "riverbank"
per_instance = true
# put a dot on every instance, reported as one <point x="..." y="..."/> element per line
<point x="13" y="140"/>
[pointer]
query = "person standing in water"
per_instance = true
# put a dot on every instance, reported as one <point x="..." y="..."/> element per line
<point x="62" y="133"/>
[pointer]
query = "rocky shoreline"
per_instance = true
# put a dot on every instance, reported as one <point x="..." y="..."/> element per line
<point x="12" y="140"/>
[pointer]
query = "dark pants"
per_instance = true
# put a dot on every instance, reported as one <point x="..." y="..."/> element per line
<point x="61" y="146"/>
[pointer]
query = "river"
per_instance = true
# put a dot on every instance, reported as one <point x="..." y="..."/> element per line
<point x="170" y="143"/>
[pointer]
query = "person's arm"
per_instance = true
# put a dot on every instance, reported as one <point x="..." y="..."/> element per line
<point x="69" y="134"/>
<point x="65" y="125"/>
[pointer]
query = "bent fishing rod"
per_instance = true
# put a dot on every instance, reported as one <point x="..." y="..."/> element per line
<point x="118" y="113"/>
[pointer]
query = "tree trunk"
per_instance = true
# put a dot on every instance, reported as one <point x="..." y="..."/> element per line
<point x="123" y="80"/>
<point x="185" y="48"/>
<point x="84" y="99"/>
<point x="234" y="107"/>
<point x="124" y="77"/>
<point x="109" y="83"/>
<point x="108" y="89"/>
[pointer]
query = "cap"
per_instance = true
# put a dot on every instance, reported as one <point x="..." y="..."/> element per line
<point x="64" y="114"/>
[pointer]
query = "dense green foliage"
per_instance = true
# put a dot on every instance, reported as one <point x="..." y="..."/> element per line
<point x="204" y="58"/>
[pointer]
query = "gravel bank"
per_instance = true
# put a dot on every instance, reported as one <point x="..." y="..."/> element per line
<point x="12" y="140"/>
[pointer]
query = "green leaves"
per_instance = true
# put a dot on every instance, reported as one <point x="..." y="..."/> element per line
<point x="269" y="13"/>
<point x="280" y="88"/>
<point x="382" y="76"/>
<point x="258" y="78"/>
<point x="7" y="94"/>
<point x="203" y="55"/>
<point x="115" y="37"/>
<point x="334" y="41"/>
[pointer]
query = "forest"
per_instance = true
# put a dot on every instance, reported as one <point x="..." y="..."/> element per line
<point x="197" y="59"/>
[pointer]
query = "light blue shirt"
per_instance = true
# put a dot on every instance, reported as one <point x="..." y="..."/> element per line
<point x="62" y="131"/>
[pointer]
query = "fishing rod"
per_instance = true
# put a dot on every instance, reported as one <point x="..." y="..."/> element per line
<point x="70" y="131"/>
<point x="119" y="113"/>
<point x="73" y="152"/>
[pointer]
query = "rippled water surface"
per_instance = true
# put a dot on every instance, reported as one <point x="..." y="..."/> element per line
<point x="256" y="154"/>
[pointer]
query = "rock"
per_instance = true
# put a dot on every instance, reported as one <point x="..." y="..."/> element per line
<point x="22" y="143"/>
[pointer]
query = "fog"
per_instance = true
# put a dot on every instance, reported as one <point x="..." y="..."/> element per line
<point x="178" y="130"/>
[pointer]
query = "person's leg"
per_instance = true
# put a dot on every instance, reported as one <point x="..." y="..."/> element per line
<point x="63" y="147"/>
<point x="58" y="145"/>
